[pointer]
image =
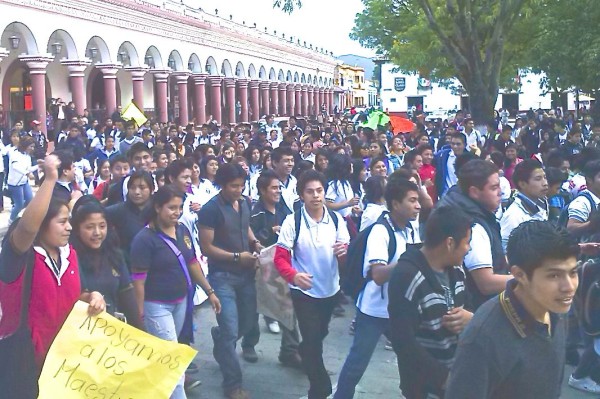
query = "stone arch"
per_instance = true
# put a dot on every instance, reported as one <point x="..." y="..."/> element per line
<point x="194" y="63"/>
<point x="240" y="71"/>
<point x="26" y="41"/>
<point x="272" y="74"/>
<point x="303" y="78"/>
<point x="281" y="76"/>
<point x="128" y="55"/>
<point x="314" y="80"/>
<point x="97" y="50"/>
<point x="262" y="73"/>
<point x="153" y="59"/>
<point x="211" y="67"/>
<point x="288" y="77"/>
<point x="175" y="62"/>
<point x="309" y="79"/>
<point x="252" y="72"/>
<point x="61" y="45"/>
<point x="226" y="69"/>
<point x="296" y="78"/>
<point x="320" y="81"/>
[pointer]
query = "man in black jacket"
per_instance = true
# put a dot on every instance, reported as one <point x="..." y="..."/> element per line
<point x="514" y="347"/>
<point x="478" y="194"/>
<point x="426" y="304"/>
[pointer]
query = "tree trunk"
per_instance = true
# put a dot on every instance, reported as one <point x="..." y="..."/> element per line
<point x="481" y="103"/>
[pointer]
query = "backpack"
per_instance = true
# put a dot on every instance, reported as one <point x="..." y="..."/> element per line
<point x="353" y="281"/>
<point x="297" y="220"/>
<point x="563" y="219"/>
<point x="589" y="290"/>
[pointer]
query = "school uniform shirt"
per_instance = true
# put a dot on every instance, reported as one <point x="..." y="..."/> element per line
<point x="575" y="185"/>
<point x="521" y="210"/>
<point x="288" y="192"/>
<point x="205" y="191"/>
<point x="19" y="166"/>
<point x="451" y="178"/>
<point x="314" y="250"/>
<point x="338" y="192"/>
<point x="580" y="208"/>
<point x="108" y="281"/>
<point x="371" y="214"/>
<point x="373" y="300"/>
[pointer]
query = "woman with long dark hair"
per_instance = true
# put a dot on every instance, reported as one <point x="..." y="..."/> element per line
<point x="207" y="187"/>
<point x="101" y="265"/>
<point x="165" y="269"/>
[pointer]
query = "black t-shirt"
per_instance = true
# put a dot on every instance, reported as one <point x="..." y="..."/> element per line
<point x="106" y="280"/>
<point x="126" y="218"/>
<point x="165" y="281"/>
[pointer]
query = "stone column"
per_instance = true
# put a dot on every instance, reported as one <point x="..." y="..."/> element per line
<point x="315" y="100"/>
<point x="199" y="98"/>
<point x="330" y="103"/>
<point x="109" y="74"/>
<point x="321" y="98"/>
<point x="283" y="99"/>
<point x="230" y="99"/>
<point x="182" y="86"/>
<point x="161" y="77"/>
<point x="215" y="97"/>
<point x="243" y="97"/>
<point x="137" y="81"/>
<point x="264" y="94"/>
<point x="291" y="99"/>
<point x="304" y="100"/>
<point x="37" y="72"/>
<point x="254" y="100"/>
<point x="274" y="98"/>
<point x="76" y="73"/>
<point x="298" y="99"/>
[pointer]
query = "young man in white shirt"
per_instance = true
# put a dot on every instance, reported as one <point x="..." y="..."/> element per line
<point x="312" y="272"/>
<point x="372" y="318"/>
<point x="282" y="159"/>
<point x="530" y="179"/>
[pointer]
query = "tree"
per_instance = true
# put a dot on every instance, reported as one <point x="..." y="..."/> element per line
<point x="287" y="5"/>
<point x="482" y="43"/>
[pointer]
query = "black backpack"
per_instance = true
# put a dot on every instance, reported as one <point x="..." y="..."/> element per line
<point x="589" y="290"/>
<point x="297" y="220"/>
<point x="353" y="281"/>
<point x="563" y="219"/>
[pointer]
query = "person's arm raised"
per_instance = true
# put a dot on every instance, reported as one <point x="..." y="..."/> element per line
<point x="24" y="234"/>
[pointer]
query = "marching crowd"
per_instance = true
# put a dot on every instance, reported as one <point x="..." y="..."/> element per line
<point x="465" y="248"/>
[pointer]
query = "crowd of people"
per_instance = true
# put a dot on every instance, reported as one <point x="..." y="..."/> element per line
<point x="463" y="247"/>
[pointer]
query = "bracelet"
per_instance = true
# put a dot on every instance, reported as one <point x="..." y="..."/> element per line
<point x="236" y="257"/>
<point x="210" y="292"/>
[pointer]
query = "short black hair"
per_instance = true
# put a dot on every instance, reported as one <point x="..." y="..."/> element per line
<point x="533" y="242"/>
<point x="229" y="172"/>
<point x="374" y="189"/>
<point x="459" y="135"/>
<point x="555" y="176"/>
<point x="523" y="171"/>
<point x="175" y="168"/>
<point x="475" y="173"/>
<point x="308" y="176"/>
<point x="410" y="157"/>
<point x="66" y="160"/>
<point x="591" y="169"/>
<point x="118" y="159"/>
<point x="265" y="179"/>
<point x="397" y="189"/>
<point x="446" y="221"/>
<point x="136" y="149"/>
<point x="280" y="152"/>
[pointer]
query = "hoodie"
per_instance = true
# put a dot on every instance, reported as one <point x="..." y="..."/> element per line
<point x="486" y="219"/>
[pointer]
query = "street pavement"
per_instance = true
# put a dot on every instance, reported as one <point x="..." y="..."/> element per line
<point x="267" y="379"/>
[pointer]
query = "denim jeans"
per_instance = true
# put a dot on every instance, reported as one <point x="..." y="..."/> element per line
<point x="314" y="315"/>
<point x="20" y="195"/>
<point x="165" y="320"/>
<point x="237" y="293"/>
<point x="367" y="332"/>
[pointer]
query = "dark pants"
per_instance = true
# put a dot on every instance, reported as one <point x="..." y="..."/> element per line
<point x="237" y="294"/>
<point x="589" y="364"/>
<point x="290" y="339"/>
<point x="314" y="315"/>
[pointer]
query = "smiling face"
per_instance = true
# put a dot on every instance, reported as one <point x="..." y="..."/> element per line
<point x="169" y="213"/>
<point x="57" y="232"/>
<point x="183" y="181"/>
<point x="378" y="169"/>
<point x="92" y="231"/>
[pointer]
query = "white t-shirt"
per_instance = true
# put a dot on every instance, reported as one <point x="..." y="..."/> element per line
<point x="580" y="208"/>
<point x="480" y="255"/>
<point x="371" y="214"/>
<point x="451" y="178"/>
<point x="515" y="215"/>
<point x="314" y="250"/>
<point x="338" y="192"/>
<point x="575" y="185"/>
<point x="289" y="193"/>
<point x="205" y="191"/>
<point x="373" y="300"/>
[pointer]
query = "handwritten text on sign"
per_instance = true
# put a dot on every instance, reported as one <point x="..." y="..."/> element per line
<point x="100" y="357"/>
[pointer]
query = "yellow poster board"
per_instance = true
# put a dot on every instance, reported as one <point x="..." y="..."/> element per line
<point x="102" y="357"/>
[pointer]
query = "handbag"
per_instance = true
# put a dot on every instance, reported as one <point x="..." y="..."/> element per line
<point x="18" y="370"/>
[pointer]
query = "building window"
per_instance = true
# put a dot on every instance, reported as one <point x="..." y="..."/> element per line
<point x="392" y="100"/>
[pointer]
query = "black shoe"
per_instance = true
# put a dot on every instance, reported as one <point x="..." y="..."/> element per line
<point x="292" y="360"/>
<point x="190" y="383"/>
<point x="249" y="355"/>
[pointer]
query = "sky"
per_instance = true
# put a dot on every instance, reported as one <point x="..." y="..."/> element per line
<point x="323" y="23"/>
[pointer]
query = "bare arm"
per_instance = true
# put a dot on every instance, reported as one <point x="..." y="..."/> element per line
<point x="336" y="206"/>
<point x="140" y="293"/>
<point x="489" y="283"/>
<point x="578" y="228"/>
<point x="381" y="273"/>
<point x="207" y="236"/>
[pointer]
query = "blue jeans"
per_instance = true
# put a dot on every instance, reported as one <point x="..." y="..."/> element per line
<point x="20" y="195"/>
<point x="237" y="293"/>
<point x="367" y="332"/>
<point x="165" y="320"/>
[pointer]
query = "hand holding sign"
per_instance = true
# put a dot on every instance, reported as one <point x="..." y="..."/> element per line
<point x="100" y="356"/>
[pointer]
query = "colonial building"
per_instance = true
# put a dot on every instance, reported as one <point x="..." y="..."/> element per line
<point x="175" y="62"/>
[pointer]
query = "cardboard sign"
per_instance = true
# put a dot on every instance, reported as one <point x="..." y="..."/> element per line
<point x="102" y="357"/>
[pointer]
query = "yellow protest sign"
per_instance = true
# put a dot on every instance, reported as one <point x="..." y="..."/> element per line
<point x="96" y="357"/>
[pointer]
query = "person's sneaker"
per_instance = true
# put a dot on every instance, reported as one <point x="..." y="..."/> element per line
<point x="293" y="360"/>
<point x="584" y="384"/>
<point x="352" y="326"/>
<point x="274" y="327"/>
<point x="388" y="345"/>
<point x="249" y="355"/>
<point x="237" y="393"/>
<point x="192" y="368"/>
<point x="190" y="383"/>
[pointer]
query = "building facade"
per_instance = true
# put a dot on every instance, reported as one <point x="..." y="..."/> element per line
<point x="175" y="62"/>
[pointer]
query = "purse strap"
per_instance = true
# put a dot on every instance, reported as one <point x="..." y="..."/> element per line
<point x="179" y="255"/>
